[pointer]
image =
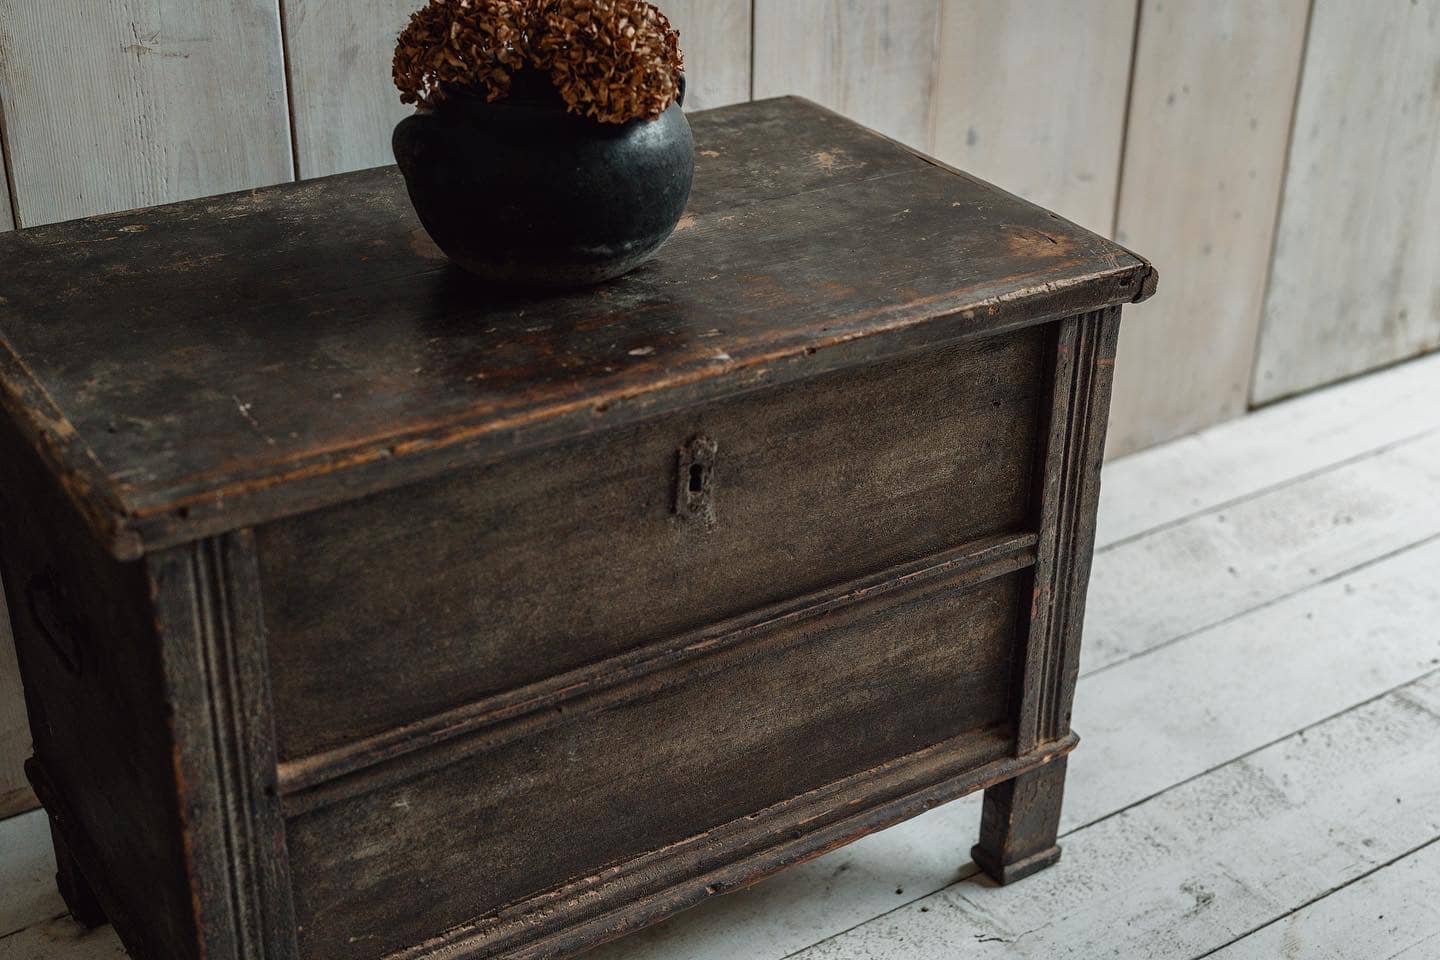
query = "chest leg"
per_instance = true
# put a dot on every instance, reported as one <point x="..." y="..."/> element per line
<point x="1019" y="824"/>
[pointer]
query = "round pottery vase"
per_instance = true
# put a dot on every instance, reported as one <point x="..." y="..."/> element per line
<point x="521" y="192"/>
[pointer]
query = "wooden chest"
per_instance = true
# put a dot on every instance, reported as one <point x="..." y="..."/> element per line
<point x="367" y="612"/>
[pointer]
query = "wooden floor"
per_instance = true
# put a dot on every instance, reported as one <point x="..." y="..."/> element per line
<point x="1259" y="775"/>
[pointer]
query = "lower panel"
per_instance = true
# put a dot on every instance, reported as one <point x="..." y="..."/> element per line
<point x="847" y="692"/>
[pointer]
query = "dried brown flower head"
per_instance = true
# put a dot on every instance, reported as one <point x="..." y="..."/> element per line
<point x="611" y="60"/>
<point x="458" y="43"/>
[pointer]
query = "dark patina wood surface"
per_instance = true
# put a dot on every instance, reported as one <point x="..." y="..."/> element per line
<point x="365" y="612"/>
<point x="215" y="363"/>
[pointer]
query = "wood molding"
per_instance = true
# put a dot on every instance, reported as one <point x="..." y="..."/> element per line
<point x="310" y="782"/>
<point x="1084" y="366"/>
<point x="642" y="891"/>
<point x="214" y="652"/>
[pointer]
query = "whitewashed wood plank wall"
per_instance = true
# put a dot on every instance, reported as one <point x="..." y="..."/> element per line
<point x="1212" y="91"/>
<point x="1356" y="277"/>
<point x="1291" y="147"/>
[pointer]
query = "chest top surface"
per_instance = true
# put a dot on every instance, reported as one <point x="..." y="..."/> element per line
<point x="215" y="363"/>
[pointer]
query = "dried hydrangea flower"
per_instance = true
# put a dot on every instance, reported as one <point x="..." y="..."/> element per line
<point x="461" y="43"/>
<point x="611" y="60"/>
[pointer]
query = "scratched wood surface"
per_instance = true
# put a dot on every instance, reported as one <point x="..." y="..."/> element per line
<point x="1031" y="96"/>
<point x="344" y="105"/>
<point x="170" y="99"/>
<point x="1212" y="96"/>
<point x="394" y="363"/>
<point x="1355" y="282"/>
<point x="1186" y="745"/>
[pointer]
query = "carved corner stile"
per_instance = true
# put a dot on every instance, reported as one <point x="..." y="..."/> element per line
<point x="212" y="632"/>
<point x="1068" y="497"/>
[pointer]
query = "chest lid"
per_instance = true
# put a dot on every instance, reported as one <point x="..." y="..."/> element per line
<point x="206" y="365"/>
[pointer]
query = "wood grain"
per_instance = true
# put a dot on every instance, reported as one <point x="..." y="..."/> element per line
<point x="171" y="99"/>
<point x="1388" y="913"/>
<point x="872" y="60"/>
<point x="1148" y="725"/>
<point x="1121" y="717"/>
<point x="344" y="104"/>
<point x="1329" y="647"/>
<point x="811" y="245"/>
<point x="1356" y="277"/>
<point x="814" y="485"/>
<point x="1031" y="96"/>
<point x="1235" y="849"/>
<point x="1247" y="554"/>
<point x="715" y="37"/>
<point x="1210" y="116"/>
<point x="560" y="805"/>
<point x="1268" y="448"/>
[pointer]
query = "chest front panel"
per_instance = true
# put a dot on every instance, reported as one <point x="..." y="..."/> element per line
<point x="401" y="607"/>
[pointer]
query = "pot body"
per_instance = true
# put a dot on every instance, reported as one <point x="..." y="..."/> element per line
<point x="521" y="192"/>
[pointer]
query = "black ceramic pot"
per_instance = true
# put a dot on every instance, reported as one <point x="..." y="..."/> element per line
<point x="524" y="193"/>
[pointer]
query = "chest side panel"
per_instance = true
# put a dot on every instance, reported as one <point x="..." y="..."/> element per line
<point x="399" y="607"/>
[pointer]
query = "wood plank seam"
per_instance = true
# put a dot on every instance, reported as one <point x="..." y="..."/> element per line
<point x="1280" y="207"/>
<point x="11" y="198"/>
<point x="1267" y="489"/>
<point x="1258" y="749"/>
<point x="1317" y="898"/>
<point x="287" y="77"/>
<point x="896" y="791"/>
<point x="972" y="871"/>
<point x="1125" y="127"/>
<point x="1281" y="598"/>
<point x="613" y="681"/>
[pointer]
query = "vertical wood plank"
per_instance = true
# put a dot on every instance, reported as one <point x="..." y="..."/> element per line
<point x="1355" y="282"/>
<point x="345" y="105"/>
<point x="110" y="106"/>
<point x="1031" y="96"/>
<point x="872" y="60"/>
<point x="1211" y="103"/>
<point x="715" y="36"/>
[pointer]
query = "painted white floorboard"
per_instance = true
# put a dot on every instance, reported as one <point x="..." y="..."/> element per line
<point x="1271" y="446"/>
<point x="27" y="873"/>
<point x="1203" y="862"/>
<point x="1393" y="914"/>
<point x="1179" y="711"/>
<point x="1145" y="725"/>
<point x="61" y="939"/>
<point x="1216" y="565"/>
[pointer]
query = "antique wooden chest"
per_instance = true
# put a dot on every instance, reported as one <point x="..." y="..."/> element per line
<point x="366" y="612"/>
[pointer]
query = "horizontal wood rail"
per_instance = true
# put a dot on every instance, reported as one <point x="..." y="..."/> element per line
<point x="319" y="779"/>
<point x="654" y="885"/>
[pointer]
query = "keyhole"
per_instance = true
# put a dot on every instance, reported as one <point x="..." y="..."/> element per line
<point x="697" y="478"/>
